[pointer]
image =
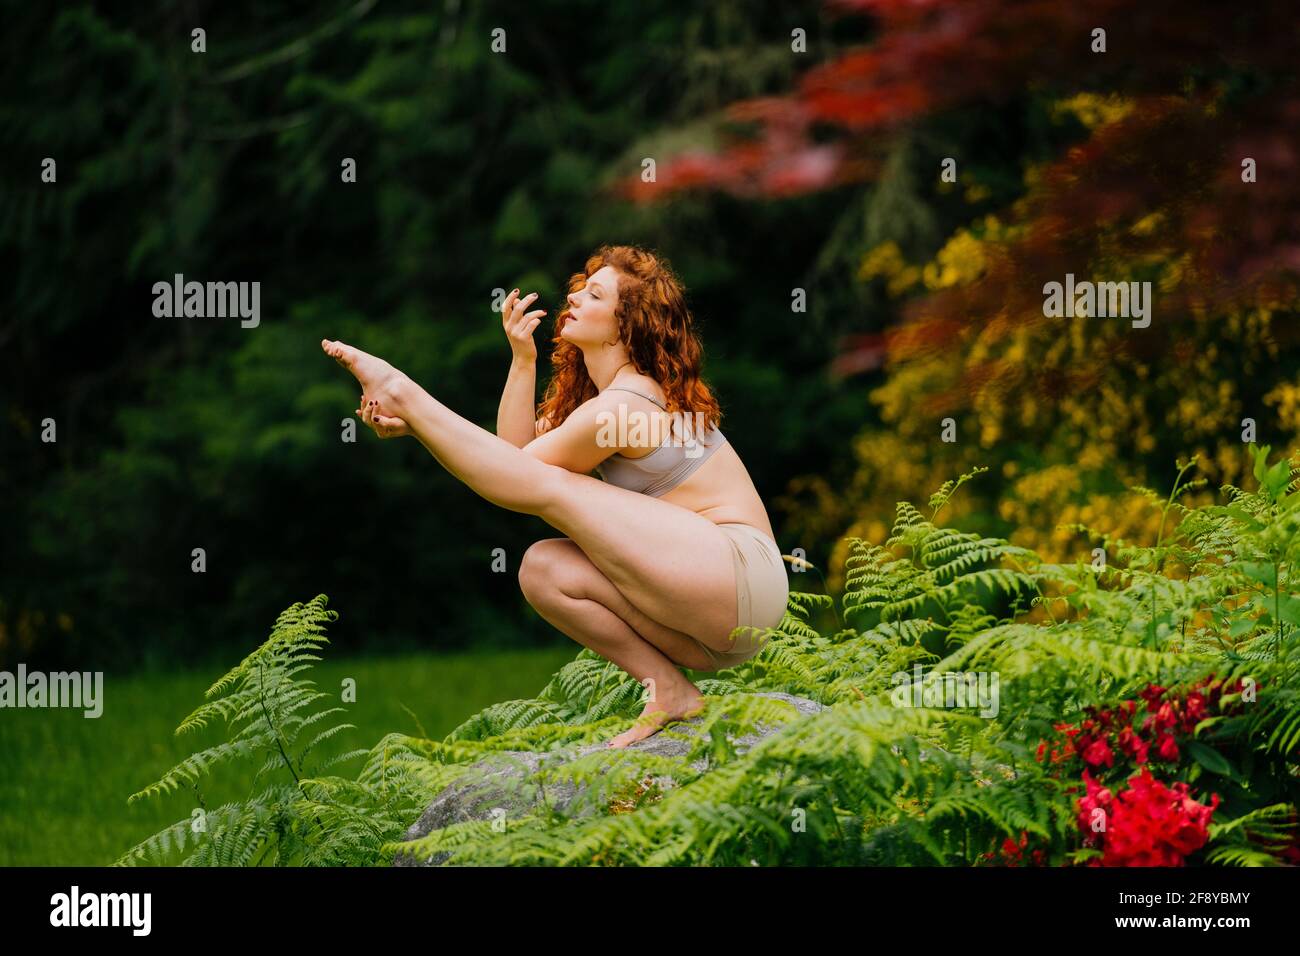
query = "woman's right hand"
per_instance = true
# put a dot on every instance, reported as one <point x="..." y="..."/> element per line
<point x="519" y="325"/>
<point x="385" y="426"/>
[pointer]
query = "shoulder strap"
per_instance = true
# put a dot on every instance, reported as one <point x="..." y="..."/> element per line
<point x="623" y="388"/>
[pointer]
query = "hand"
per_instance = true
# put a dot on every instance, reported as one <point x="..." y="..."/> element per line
<point x="385" y="426"/>
<point x="519" y="325"/>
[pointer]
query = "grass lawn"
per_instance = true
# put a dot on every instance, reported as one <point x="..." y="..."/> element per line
<point x="65" y="778"/>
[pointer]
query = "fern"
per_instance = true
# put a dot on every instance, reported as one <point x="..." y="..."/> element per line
<point x="273" y="714"/>
<point x="866" y="781"/>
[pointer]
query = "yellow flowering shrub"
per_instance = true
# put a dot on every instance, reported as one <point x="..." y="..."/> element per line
<point x="1067" y="413"/>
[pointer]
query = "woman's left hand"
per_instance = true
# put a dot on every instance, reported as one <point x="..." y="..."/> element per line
<point x="385" y="426"/>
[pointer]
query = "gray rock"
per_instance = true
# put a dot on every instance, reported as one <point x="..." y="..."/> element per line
<point x="503" y="783"/>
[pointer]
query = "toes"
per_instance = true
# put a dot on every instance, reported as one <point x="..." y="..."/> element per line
<point x="345" y="354"/>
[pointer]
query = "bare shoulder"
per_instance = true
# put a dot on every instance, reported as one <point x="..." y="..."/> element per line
<point x="586" y="414"/>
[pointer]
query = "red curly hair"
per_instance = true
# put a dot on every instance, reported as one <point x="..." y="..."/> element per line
<point x="655" y="325"/>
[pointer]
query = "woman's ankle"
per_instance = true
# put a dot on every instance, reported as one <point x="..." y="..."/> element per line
<point x="396" y="393"/>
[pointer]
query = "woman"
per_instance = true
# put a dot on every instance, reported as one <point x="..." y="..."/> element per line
<point x="671" y="552"/>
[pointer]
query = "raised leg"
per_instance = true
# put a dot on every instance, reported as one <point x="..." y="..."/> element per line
<point x="672" y="564"/>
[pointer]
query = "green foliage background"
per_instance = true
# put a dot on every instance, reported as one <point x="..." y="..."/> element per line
<point x="476" y="171"/>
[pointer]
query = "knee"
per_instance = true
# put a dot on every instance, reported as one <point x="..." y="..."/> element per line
<point x="538" y="571"/>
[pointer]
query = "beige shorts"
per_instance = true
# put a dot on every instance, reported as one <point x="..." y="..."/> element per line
<point x="762" y="591"/>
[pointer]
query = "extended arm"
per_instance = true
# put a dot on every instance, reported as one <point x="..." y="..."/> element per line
<point x="582" y="441"/>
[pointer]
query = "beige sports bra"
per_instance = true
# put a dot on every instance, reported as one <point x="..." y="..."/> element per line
<point x="664" y="468"/>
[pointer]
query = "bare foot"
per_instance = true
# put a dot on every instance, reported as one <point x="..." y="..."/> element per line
<point x="657" y="713"/>
<point x="379" y="380"/>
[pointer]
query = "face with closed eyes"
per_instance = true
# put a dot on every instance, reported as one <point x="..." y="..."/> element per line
<point x="590" y="320"/>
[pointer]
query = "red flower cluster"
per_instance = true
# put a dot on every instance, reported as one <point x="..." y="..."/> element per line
<point x="1106" y="731"/>
<point x="1148" y="824"/>
<point x="1012" y="853"/>
<point x="1065" y="751"/>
